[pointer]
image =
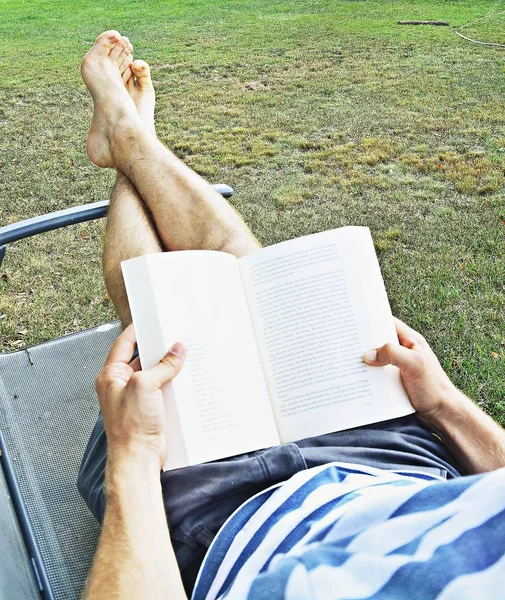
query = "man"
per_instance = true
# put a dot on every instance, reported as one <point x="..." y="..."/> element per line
<point x="380" y="511"/>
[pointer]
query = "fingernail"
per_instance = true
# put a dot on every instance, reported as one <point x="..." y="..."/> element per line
<point x="370" y="355"/>
<point x="177" y="349"/>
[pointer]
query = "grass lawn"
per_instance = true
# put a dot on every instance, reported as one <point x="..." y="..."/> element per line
<point x="319" y="113"/>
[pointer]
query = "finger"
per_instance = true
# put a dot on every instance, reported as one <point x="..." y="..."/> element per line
<point x="404" y="333"/>
<point x="115" y="375"/>
<point x="167" y="368"/>
<point x="392" y="354"/>
<point x="408" y="337"/>
<point x="135" y="364"/>
<point x="123" y="348"/>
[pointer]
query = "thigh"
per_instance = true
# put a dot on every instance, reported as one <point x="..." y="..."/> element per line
<point x="91" y="478"/>
<point x="198" y="499"/>
<point x="397" y="444"/>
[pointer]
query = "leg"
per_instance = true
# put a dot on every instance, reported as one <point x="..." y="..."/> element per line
<point x="129" y="233"/>
<point x="187" y="211"/>
<point x="198" y="499"/>
<point x="130" y="229"/>
<point x="189" y="214"/>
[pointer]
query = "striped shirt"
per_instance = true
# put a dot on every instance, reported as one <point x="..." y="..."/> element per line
<point x="348" y="531"/>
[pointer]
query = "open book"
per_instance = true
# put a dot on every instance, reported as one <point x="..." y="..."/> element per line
<point x="274" y="341"/>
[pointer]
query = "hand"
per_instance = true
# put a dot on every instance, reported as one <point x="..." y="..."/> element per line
<point x="131" y="400"/>
<point x="427" y="384"/>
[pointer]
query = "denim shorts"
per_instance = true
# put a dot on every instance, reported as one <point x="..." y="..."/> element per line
<point x="199" y="499"/>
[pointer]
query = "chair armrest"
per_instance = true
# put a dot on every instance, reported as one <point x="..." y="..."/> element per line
<point x="54" y="220"/>
<point x="63" y="218"/>
<point x="69" y="216"/>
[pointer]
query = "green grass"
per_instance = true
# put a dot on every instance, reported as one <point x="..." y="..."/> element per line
<point x="320" y="114"/>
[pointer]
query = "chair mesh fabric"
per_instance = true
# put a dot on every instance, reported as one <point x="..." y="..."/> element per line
<point x="16" y="575"/>
<point x="48" y="407"/>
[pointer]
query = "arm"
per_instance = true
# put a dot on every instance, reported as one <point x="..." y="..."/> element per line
<point x="472" y="435"/>
<point x="135" y="558"/>
<point x="477" y="442"/>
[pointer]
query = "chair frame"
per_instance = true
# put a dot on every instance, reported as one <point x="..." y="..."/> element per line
<point x="63" y="218"/>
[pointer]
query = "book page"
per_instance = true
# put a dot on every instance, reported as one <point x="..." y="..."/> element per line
<point x="317" y="304"/>
<point x="218" y="405"/>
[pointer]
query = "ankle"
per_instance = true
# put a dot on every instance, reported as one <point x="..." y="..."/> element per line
<point x="124" y="135"/>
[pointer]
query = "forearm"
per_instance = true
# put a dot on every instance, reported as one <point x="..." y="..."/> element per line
<point x="476" y="441"/>
<point x="135" y="558"/>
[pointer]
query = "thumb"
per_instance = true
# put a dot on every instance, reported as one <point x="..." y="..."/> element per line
<point x="167" y="368"/>
<point x="391" y="354"/>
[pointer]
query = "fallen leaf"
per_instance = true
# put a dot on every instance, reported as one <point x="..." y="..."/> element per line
<point x="5" y="277"/>
<point x="495" y="355"/>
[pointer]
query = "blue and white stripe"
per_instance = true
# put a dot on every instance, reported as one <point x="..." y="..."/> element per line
<point x="347" y="531"/>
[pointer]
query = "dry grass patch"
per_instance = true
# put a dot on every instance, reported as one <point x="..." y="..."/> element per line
<point x="469" y="171"/>
<point x="288" y="195"/>
<point x="329" y="156"/>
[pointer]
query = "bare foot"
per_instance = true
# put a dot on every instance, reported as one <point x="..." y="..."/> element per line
<point x="140" y="87"/>
<point x="103" y="69"/>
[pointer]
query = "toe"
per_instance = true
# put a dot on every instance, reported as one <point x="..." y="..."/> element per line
<point x="126" y="43"/>
<point x="142" y="72"/>
<point x="128" y="78"/>
<point x="106" y="41"/>
<point x="125" y="63"/>
<point x="122" y="45"/>
<point x="116" y="52"/>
